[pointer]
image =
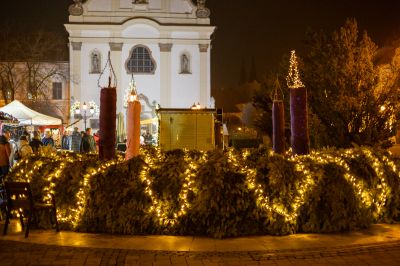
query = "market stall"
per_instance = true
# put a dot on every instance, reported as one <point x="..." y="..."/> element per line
<point x="7" y="120"/>
<point x="27" y="116"/>
<point x="30" y="119"/>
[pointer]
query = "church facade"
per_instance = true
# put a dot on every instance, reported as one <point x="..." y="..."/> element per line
<point x="164" y="45"/>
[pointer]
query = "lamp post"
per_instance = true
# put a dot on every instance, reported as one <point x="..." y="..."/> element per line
<point x="84" y="108"/>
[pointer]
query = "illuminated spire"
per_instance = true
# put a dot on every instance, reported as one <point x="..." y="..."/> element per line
<point x="293" y="78"/>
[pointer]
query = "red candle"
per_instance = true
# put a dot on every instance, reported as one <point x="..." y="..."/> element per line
<point x="133" y="128"/>
<point x="108" y="125"/>
<point x="299" y="121"/>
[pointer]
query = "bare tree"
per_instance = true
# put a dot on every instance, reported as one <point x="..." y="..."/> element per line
<point x="28" y="64"/>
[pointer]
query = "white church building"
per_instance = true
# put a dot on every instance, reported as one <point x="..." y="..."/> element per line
<point x="164" y="44"/>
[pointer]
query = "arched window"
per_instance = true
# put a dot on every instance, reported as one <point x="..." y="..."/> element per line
<point x="95" y="62"/>
<point x="185" y="64"/>
<point x="140" y="61"/>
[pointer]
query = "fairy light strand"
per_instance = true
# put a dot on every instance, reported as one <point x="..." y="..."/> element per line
<point x="293" y="79"/>
<point x="368" y="197"/>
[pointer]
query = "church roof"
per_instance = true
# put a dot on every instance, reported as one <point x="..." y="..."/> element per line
<point x="119" y="11"/>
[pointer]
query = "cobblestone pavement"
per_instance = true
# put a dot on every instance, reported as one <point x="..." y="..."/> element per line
<point x="19" y="253"/>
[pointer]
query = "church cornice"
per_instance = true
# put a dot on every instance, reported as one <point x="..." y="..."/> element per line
<point x="162" y="21"/>
<point x="141" y="20"/>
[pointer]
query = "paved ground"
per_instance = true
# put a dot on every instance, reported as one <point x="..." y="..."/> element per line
<point x="17" y="253"/>
<point x="379" y="245"/>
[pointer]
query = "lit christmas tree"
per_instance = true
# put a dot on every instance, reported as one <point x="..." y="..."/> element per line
<point x="293" y="78"/>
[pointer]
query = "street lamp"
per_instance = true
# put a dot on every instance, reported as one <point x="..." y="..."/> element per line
<point x="84" y="108"/>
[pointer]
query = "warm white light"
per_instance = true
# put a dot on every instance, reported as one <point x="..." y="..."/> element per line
<point x="84" y="106"/>
<point x="77" y="111"/>
<point x="383" y="108"/>
<point x="91" y="110"/>
<point x="195" y="106"/>
<point x="293" y="78"/>
<point x="130" y="92"/>
<point x="132" y="98"/>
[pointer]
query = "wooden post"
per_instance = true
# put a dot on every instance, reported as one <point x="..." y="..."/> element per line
<point x="133" y="128"/>
<point x="108" y="110"/>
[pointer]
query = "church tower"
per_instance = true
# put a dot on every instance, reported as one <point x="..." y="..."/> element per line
<point x="164" y="44"/>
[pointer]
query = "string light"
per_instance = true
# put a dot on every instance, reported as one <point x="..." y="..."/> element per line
<point x="161" y="209"/>
<point x="371" y="198"/>
<point x="129" y="91"/>
<point x="75" y="106"/>
<point x="74" y="215"/>
<point x="293" y="79"/>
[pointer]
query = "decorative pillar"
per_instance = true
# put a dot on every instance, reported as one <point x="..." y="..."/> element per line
<point x="278" y="123"/>
<point x="204" y="75"/>
<point x="133" y="127"/>
<point x="298" y="110"/>
<point x="165" y="72"/>
<point x="116" y="58"/>
<point x="75" y="71"/>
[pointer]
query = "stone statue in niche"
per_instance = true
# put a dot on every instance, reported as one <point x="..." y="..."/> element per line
<point x="95" y="63"/>
<point x="185" y="68"/>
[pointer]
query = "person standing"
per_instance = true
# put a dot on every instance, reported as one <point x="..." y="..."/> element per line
<point x="65" y="140"/>
<point x="96" y="137"/>
<point x="24" y="149"/>
<point x="48" y="140"/>
<point x="28" y="136"/>
<point x="88" y="143"/>
<point x="76" y="139"/>
<point x="35" y="143"/>
<point x="13" y="146"/>
<point x="5" y="151"/>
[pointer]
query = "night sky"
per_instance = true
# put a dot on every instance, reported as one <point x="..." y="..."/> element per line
<point x="264" y="29"/>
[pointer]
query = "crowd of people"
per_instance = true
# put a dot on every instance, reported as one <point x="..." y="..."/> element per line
<point x="12" y="151"/>
<point x="83" y="141"/>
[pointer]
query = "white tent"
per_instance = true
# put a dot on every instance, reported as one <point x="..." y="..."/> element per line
<point x="27" y="116"/>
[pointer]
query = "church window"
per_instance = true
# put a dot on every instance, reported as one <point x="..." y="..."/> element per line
<point x="140" y="61"/>
<point x="185" y="64"/>
<point x="95" y="62"/>
<point x="57" y="91"/>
